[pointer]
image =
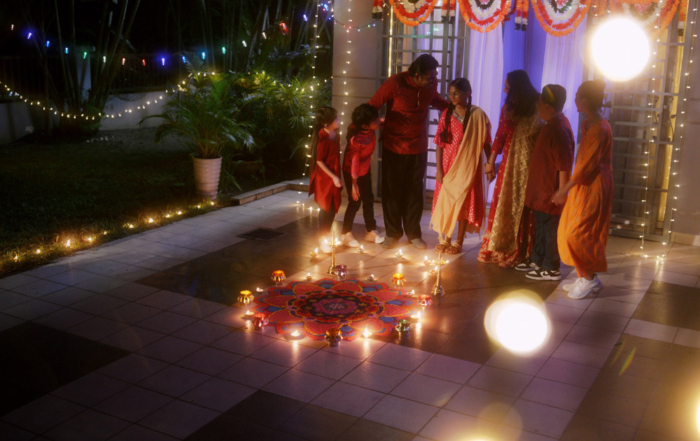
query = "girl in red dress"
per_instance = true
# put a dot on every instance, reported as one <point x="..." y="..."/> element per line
<point x="463" y="136"/>
<point x="325" y="183"/>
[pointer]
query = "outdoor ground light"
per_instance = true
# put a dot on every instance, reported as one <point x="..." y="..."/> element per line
<point x="620" y="49"/>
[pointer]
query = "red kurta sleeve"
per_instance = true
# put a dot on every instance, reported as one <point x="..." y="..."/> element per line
<point x="563" y="151"/>
<point x="386" y="92"/>
<point x="506" y="128"/>
<point x="354" y="151"/>
<point x="440" y="129"/>
<point x="322" y="153"/>
<point x="590" y="153"/>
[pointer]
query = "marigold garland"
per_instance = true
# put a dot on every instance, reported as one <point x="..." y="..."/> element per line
<point x="487" y="23"/>
<point x="397" y="6"/>
<point x="561" y="24"/>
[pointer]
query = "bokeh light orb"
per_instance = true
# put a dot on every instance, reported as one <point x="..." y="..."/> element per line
<point x="518" y="322"/>
<point x="620" y="49"/>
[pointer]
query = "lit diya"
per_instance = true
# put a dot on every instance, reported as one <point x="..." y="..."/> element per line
<point x="259" y="320"/>
<point x="425" y="300"/>
<point x="334" y="336"/>
<point x="245" y="297"/>
<point x="278" y="276"/>
<point x="398" y="280"/>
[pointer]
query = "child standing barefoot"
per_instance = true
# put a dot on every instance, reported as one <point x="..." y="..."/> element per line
<point x="325" y="183"/>
<point x="357" y="173"/>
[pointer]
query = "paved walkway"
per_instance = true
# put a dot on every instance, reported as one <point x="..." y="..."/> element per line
<point x="142" y="339"/>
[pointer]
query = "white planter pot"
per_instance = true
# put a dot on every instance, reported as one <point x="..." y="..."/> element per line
<point x="206" y="176"/>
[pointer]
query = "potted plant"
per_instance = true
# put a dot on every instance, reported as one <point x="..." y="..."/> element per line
<point x="204" y="116"/>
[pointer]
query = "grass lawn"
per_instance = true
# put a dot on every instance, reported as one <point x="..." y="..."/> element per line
<point x="50" y="193"/>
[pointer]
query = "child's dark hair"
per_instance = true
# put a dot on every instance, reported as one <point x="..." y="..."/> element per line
<point x="324" y="116"/>
<point x="463" y="85"/>
<point x="554" y="95"/>
<point x="363" y="115"/>
<point x="522" y="97"/>
<point x="593" y="92"/>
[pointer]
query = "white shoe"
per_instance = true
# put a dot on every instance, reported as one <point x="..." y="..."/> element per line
<point x="325" y="245"/>
<point x="349" y="240"/>
<point x="527" y="266"/>
<point x="583" y="287"/>
<point x="374" y="237"/>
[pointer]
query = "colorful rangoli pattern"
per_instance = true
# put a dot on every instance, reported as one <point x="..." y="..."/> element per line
<point x="351" y="305"/>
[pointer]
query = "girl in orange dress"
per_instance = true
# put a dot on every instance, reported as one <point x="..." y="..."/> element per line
<point x="584" y="225"/>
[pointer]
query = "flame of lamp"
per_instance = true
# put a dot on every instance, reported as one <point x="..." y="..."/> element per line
<point x="278" y="276"/>
<point x="245" y="297"/>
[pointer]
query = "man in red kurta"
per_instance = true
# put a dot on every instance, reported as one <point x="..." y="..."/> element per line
<point x="408" y="97"/>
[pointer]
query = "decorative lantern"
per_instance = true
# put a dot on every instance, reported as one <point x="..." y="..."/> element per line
<point x="425" y="300"/>
<point x="404" y="326"/>
<point x="398" y="280"/>
<point x="245" y="297"/>
<point x="278" y="277"/>
<point x="334" y="336"/>
<point x="341" y="271"/>
<point x="259" y="320"/>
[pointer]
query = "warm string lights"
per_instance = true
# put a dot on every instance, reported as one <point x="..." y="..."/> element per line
<point x="81" y="116"/>
<point x="315" y="47"/>
<point x="75" y="242"/>
<point x="346" y="66"/>
<point x="674" y="182"/>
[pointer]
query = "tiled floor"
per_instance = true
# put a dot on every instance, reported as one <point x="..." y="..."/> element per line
<point x="142" y="339"/>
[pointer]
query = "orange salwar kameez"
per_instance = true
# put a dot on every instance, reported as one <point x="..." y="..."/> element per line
<point x="584" y="225"/>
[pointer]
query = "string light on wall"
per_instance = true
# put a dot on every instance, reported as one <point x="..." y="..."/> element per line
<point x="674" y="182"/>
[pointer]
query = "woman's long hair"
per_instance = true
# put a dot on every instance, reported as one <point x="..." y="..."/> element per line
<point x="463" y="85"/>
<point x="363" y="115"/>
<point x="522" y="96"/>
<point x="324" y="116"/>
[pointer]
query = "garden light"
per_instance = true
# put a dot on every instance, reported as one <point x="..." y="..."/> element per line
<point x="518" y="322"/>
<point x="204" y="56"/>
<point x="620" y="49"/>
<point x="66" y="50"/>
<point x="48" y="43"/>
<point x="29" y="36"/>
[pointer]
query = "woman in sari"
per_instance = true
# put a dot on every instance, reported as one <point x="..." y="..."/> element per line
<point x="584" y="224"/>
<point x="509" y="235"/>
<point x="463" y="133"/>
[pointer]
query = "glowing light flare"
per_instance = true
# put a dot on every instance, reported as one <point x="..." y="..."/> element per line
<point x="518" y="322"/>
<point x="620" y="49"/>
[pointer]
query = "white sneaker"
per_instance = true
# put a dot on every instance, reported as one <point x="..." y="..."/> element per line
<point x="583" y="287"/>
<point x="374" y="237"/>
<point x="325" y="245"/>
<point x="527" y="266"/>
<point x="349" y="240"/>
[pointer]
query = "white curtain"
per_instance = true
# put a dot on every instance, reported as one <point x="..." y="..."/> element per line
<point x="486" y="75"/>
<point x="563" y="65"/>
